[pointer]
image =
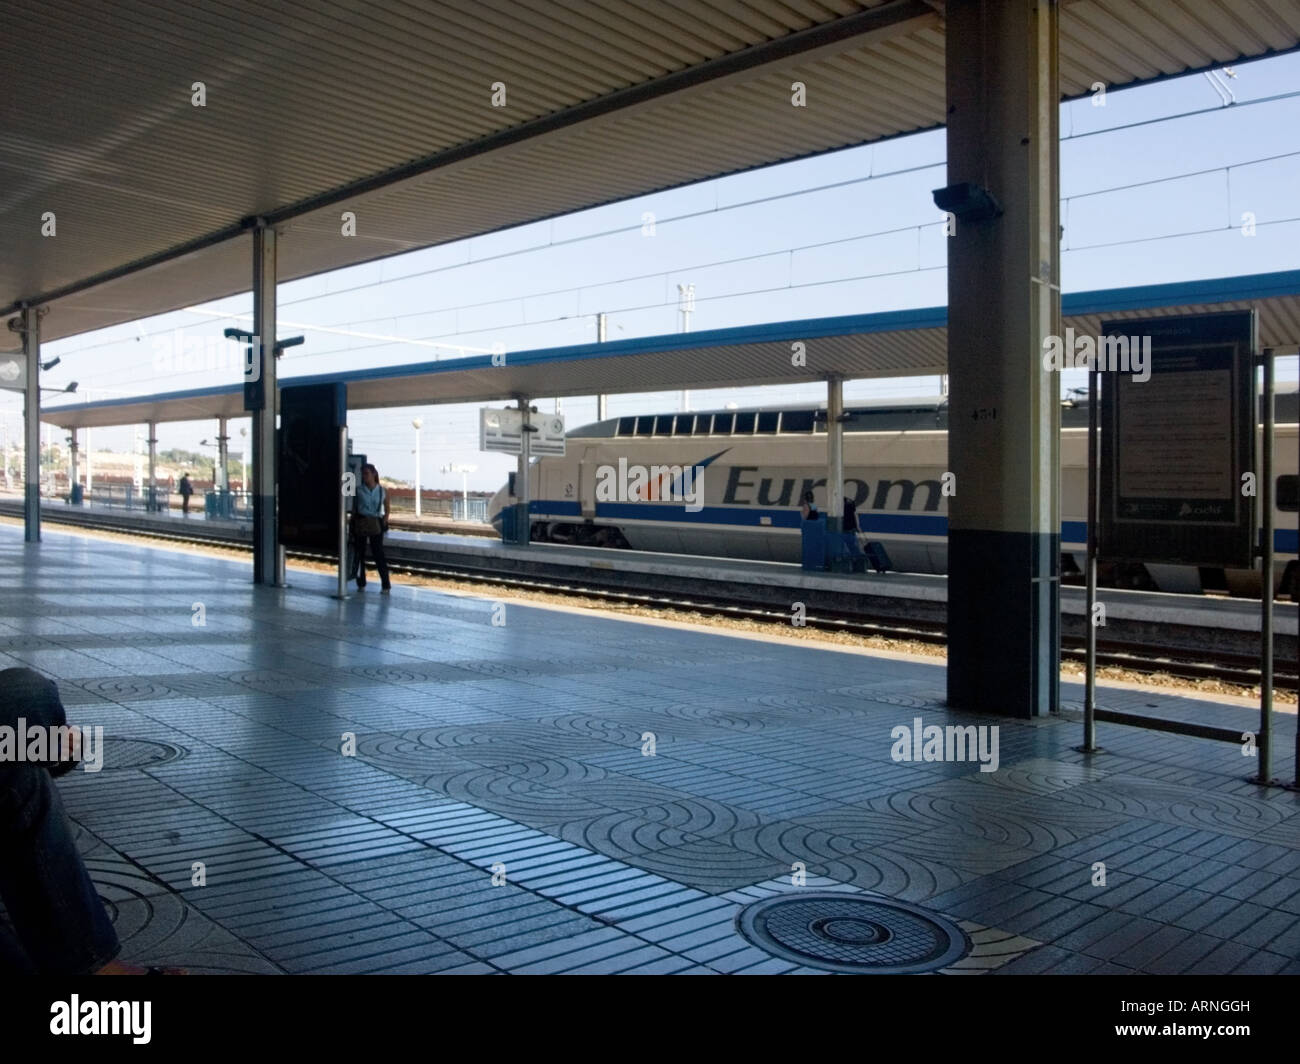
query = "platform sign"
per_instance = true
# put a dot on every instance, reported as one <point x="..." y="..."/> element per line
<point x="309" y="474"/>
<point x="502" y="431"/>
<point x="549" y="437"/>
<point x="1177" y="438"/>
<point x="13" y="372"/>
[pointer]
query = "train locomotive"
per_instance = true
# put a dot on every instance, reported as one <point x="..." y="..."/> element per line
<point x="747" y="469"/>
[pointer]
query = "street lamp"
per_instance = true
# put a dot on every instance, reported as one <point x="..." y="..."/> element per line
<point x="217" y="446"/>
<point x="464" y="471"/>
<point x="686" y="304"/>
<point x="416" y="424"/>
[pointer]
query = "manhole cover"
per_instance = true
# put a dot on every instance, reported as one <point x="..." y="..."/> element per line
<point x="846" y="933"/>
<point x="119" y="753"/>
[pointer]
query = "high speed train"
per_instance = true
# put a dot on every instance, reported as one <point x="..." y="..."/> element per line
<point x="758" y="462"/>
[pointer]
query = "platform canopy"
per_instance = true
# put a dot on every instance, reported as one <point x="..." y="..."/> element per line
<point x="892" y="344"/>
<point x="122" y="197"/>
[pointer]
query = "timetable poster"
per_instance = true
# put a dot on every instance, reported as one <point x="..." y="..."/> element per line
<point x="1177" y="440"/>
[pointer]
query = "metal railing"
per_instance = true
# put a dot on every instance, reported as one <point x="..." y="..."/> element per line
<point x="129" y="497"/>
<point x="476" y="511"/>
<point x="231" y="505"/>
<point x="448" y="509"/>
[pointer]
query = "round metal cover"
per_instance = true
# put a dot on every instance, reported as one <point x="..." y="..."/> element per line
<point x="122" y="753"/>
<point x="853" y="933"/>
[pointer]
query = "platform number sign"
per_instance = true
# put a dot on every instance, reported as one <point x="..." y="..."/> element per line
<point x="501" y="430"/>
<point x="549" y="437"/>
<point x="1174" y="447"/>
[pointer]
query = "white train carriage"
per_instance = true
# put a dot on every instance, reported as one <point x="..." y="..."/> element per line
<point x="757" y="463"/>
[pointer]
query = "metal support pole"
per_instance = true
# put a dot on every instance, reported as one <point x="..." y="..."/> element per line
<point x="342" y="592"/>
<point x="602" y="401"/>
<point x="90" y="453"/>
<point x="1265" y="745"/>
<point x="223" y="457"/>
<point x="265" y="523"/>
<point x="418" y="488"/>
<point x="31" y="329"/>
<point x="152" y="497"/>
<point x="73" y="473"/>
<point x="686" y="304"/>
<point x="4" y="448"/>
<point x="1093" y="525"/>
<point x="834" y="454"/>
<point x="524" y="529"/>
<point x="137" y="477"/>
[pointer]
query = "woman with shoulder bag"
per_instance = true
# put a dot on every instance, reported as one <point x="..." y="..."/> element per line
<point x="369" y="523"/>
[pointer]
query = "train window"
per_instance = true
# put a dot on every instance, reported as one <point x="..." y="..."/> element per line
<point x="682" y="426"/>
<point x="797" y="421"/>
<point x="627" y="426"/>
<point x="744" y="424"/>
<point x="767" y="420"/>
<point x="664" y="425"/>
<point x="723" y="423"/>
<point x="1287" y="493"/>
<point x="645" y="425"/>
<point x="703" y="424"/>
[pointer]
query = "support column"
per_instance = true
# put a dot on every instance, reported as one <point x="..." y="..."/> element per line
<point x="223" y="457"/>
<point x="30" y="325"/>
<point x="524" y="526"/>
<point x="74" y="476"/>
<point x="90" y="462"/>
<point x="151" y="489"/>
<point x="834" y="454"/>
<point x="265" y="523"/>
<point x="1004" y="411"/>
<point x="4" y="444"/>
<point x="601" y="400"/>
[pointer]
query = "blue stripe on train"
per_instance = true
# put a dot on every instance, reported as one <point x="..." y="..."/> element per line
<point x="1285" y="540"/>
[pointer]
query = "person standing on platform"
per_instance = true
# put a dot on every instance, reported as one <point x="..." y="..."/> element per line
<point x="186" y="490"/>
<point x="369" y="523"/>
<point x="808" y="507"/>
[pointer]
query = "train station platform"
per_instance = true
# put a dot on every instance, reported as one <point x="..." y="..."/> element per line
<point x="548" y="790"/>
<point x="1192" y="626"/>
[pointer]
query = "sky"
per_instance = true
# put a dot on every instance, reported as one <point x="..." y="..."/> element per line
<point x="1155" y="183"/>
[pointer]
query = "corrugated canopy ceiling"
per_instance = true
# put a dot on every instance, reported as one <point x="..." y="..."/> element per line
<point x="891" y="344"/>
<point x="384" y="108"/>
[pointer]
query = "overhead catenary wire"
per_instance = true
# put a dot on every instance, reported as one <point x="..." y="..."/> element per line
<point x="851" y="279"/>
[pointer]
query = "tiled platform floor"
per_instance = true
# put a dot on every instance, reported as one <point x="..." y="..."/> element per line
<point x="518" y="748"/>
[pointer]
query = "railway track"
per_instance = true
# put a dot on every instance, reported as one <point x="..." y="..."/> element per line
<point x="1236" y="669"/>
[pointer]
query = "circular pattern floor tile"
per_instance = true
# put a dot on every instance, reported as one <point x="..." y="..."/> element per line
<point x="844" y="933"/>
<point x="123" y="753"/>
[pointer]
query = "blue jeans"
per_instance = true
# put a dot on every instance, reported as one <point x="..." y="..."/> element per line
<point x="56" y="923"/>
